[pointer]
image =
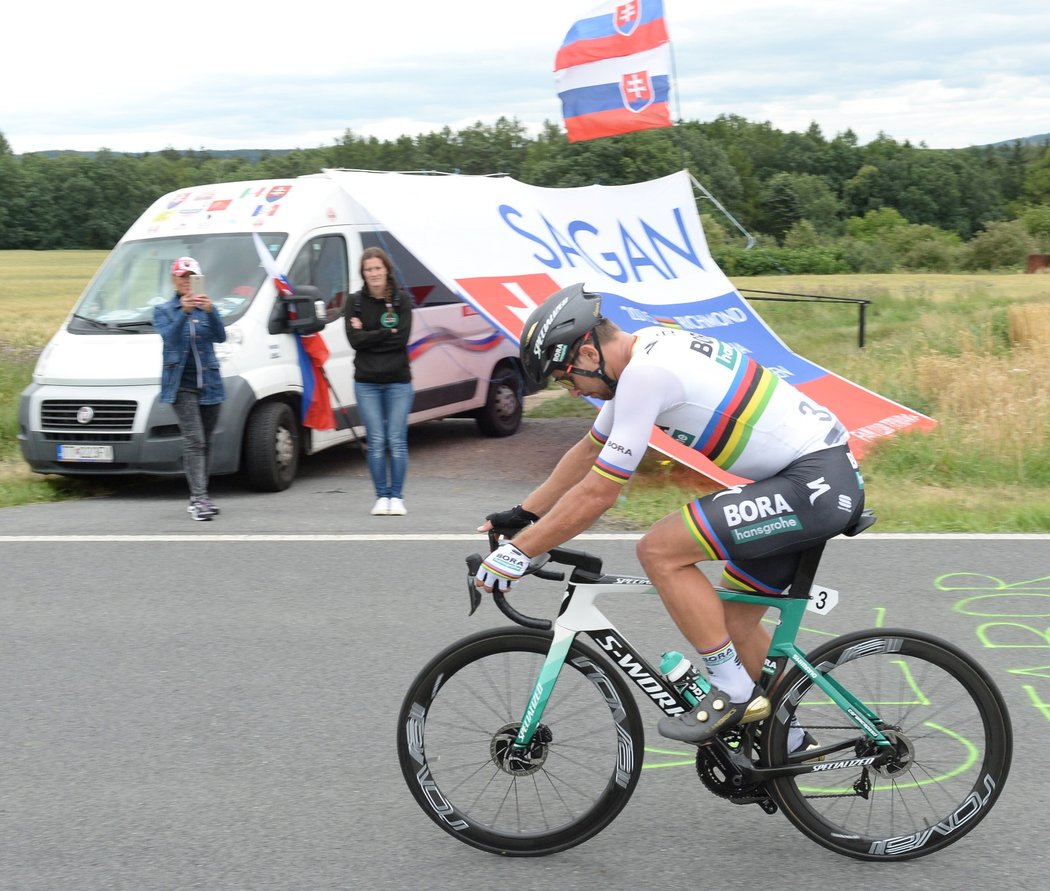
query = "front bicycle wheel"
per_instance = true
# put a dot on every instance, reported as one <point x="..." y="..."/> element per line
<point x="950" y="732"/>
<point x="461" y="715"/>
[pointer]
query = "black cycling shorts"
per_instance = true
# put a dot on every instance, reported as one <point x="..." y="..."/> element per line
<point x="760" y="528"/>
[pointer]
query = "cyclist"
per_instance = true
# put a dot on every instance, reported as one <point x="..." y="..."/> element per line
<point x="713" y="397"/>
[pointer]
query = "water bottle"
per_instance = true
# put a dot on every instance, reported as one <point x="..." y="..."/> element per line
<point x="685" y="678"/>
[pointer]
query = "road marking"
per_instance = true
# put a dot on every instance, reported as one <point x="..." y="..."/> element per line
<point x="439" y="536"/>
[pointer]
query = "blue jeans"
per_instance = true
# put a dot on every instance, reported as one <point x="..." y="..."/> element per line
<point x="384" y="411"/>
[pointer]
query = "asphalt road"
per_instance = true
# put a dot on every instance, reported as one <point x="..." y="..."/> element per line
<point x="212" y="705"/>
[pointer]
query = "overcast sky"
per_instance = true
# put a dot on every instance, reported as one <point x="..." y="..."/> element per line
<point x="222" y="74"/>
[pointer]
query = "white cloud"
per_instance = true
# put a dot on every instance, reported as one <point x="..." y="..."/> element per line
<point x="134" y="77"/>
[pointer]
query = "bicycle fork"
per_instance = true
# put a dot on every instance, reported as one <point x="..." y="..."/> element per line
<point x="541" y="692"/>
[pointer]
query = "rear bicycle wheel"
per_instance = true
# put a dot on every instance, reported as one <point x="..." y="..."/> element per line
<point x="460" y="716"/>
<point x="950" y="730"/>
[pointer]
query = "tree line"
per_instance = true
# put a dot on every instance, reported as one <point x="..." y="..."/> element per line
<point x="815" y="204"/>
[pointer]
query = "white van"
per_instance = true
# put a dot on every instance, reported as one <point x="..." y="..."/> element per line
<point x="93" y="410"/>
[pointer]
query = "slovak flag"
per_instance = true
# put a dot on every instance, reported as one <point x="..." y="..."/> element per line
<point x="316" y="408"/>
<point x="613" y="71"/>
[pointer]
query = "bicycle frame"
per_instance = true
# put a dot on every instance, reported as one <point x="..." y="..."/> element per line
<point x="579" y="614"/>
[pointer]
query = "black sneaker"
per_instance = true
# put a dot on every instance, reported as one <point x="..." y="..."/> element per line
<point x="714" y="713"/>
<point x="208" y="505"/>
<point x="200" y="509"/>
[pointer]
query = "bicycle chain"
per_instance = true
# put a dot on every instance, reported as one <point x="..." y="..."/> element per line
<point x="714" y="769"/>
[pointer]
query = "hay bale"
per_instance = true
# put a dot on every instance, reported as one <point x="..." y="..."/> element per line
<point x="1029" y="324"/>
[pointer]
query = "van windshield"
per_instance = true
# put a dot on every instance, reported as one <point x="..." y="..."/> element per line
<point x="136" y="276"/>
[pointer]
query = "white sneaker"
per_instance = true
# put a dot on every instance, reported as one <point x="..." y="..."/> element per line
<point x="381" y="508"/>
<point x="397" y="508"/>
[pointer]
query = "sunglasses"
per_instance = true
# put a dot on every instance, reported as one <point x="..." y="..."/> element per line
<point x="570" y="371"/>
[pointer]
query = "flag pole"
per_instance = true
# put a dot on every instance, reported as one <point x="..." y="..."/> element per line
<point x="674" y="81"/>
<point x="685" y="157"/>
<point x="343" y="411"/>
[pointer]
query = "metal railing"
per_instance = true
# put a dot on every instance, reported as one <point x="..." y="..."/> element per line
<point x="789" y="297"/>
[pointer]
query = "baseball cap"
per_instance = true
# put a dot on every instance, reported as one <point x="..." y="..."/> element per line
<point x="185" y="266"/>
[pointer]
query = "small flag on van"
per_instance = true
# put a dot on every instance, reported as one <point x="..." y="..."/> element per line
<point x="316" y="407"/>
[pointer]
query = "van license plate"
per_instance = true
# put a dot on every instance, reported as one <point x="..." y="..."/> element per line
<point x="85" y="453"/>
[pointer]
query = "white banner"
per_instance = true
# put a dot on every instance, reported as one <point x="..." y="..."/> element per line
<point x="505" y="246"/>
<point x="642" y="241"/>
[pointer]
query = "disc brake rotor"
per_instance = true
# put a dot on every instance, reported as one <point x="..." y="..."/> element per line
<point x="520" y="762"/>
<point x="903" y="757"/>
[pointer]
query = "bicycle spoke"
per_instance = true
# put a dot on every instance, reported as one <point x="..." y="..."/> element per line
<point x="950" y="748"/>
<point x="461" y="720"/>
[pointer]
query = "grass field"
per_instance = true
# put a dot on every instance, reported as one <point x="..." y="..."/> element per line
<point x="972" y="351"/>
<point x="37" y="291"/>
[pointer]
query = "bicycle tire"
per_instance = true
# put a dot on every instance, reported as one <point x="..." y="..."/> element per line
<point x="463" y="708"/>
<point x="950" y="725"/>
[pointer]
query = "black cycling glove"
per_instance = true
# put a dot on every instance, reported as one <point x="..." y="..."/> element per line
<point x="515" y="518"/>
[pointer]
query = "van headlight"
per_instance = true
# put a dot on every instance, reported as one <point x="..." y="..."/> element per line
<point x="39" y="370"/>
<point x="234" y="339"/>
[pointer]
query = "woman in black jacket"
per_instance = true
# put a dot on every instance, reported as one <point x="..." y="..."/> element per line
<point x="378" y="324"/>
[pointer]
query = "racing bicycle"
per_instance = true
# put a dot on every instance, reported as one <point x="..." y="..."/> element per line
<point x="528" y="740"/>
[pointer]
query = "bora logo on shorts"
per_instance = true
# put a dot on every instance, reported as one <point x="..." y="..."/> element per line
<point x="760" y="518"/>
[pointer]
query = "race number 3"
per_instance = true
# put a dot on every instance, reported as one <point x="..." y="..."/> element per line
<point x="822" y="600"/>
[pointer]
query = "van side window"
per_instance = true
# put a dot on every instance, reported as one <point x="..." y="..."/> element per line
<point x="322" y="263"/>
<point x="413" y="277"/>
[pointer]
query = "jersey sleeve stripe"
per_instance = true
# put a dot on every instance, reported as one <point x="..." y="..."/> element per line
<point x="700" y="528"/>
<point x="597" y="436"/>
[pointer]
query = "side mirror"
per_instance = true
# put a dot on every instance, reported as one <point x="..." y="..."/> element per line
<point x="301" y="313"/>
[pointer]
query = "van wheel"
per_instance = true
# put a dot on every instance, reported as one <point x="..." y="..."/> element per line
<point x="501" y="414"/>
<point x="271" y="447"/>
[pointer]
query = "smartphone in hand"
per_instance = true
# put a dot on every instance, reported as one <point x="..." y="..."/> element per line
<point x="197" y="284"/>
